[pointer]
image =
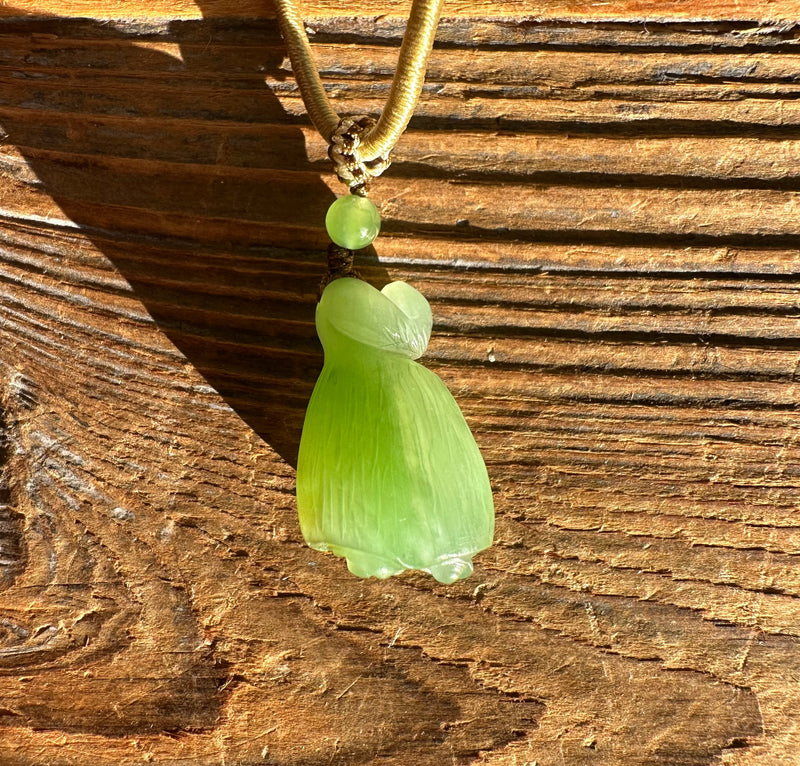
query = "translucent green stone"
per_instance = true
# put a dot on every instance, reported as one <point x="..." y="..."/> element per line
<point x="388" y="474"/>
<point x="353" y="222"/>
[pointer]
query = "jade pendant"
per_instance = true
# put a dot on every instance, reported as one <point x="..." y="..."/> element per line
<point x="389" y="475"/>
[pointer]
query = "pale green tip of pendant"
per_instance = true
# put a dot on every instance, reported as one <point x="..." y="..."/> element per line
<point x="446" y="570"/>
<point x="353" y="222"/>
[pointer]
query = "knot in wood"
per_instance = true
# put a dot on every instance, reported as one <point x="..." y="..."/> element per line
<point x="344" y="153"/>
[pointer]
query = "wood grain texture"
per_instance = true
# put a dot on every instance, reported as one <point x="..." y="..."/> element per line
<point x="604" y="217"/>
<point x="632" y="10"/>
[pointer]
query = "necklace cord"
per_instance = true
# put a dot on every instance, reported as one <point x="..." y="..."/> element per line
<point x="406" y="85"/>
<point x="305" y="71"/>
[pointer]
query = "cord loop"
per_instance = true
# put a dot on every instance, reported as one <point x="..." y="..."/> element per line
<point x="378" y="141"/>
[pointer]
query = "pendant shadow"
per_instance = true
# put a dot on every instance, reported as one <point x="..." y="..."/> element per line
<point x="166" y="146"/>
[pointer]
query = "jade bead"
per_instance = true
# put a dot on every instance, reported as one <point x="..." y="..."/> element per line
<point x="353" y="222"/>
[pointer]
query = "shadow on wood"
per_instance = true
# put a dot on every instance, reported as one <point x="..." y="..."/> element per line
<point x="202" y="219"/>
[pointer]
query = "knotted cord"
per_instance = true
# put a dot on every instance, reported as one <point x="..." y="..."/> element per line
<point x="370" y="156"/>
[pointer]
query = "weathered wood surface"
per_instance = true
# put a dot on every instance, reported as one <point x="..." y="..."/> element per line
<point x="605" y="218"/>
<point x="784" y="11"/>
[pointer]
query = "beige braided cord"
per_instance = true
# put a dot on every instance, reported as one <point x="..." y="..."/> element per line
<point x="373" y="145"/>
<point x="408" y="78"/>
<point x="305" y="71"/>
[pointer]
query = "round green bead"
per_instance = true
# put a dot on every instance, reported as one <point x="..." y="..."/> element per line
<point x="353" y="222"/>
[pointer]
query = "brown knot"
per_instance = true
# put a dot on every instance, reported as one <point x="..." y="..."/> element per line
<point x="343" y="151"/>
<point x="340" y="264"/>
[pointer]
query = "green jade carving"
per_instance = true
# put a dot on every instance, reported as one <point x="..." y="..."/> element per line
<point x="388" y="475"/>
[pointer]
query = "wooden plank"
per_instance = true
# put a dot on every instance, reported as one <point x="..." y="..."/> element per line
<point x="654" y="10"/>
<point x="601" y="205"/>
